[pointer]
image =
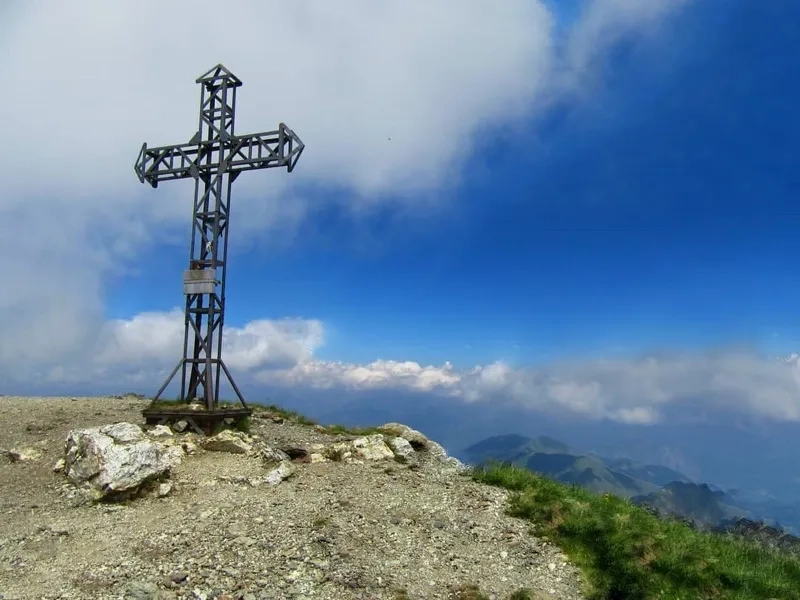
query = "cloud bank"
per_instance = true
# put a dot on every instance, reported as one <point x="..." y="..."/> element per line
<point x="642" y="391"/>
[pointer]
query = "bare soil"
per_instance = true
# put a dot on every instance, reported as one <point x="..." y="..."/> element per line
<point x="331" y="531"/>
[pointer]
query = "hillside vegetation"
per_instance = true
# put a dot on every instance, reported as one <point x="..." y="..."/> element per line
<point x="664" y="490"/>
<point x="628" y="554"/>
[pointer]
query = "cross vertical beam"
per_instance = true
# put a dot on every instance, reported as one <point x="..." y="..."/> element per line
<point x="214" y="158"/>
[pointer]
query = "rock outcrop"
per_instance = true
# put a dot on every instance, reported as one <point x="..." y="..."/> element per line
<point x="116" y="460"/>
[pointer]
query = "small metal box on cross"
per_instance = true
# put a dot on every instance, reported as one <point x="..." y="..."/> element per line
<point x="214" y="158"/>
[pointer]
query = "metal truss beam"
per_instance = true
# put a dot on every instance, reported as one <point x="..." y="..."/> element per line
<point x="214" y="158"/>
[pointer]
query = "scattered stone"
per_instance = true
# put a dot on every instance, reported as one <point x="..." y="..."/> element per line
<point x="299" y="455"/>
<point x="450" y="463"/>
<point x="178" y="576"/>
<point x="369" y="448"/>
<point x="234" y="442"/>
<point x="372" y="447"/>
<point x="180" y="426"/>
<point x="189" y="446"/>
<point x="141" y="590"/>
<point x="59" y="466"/>
<point x="23" y="454"/>
<point x="419" y="442"/>
<point x="235" y="532"/>
<point x="160" y="432"/>
<point x="414" y="437"/>
<point x="272" y="455"/>
<point x="402" y="449"/>
<point x="284" y="470"/>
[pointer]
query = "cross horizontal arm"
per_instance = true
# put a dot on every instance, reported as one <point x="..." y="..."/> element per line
<point x="279" y="148"/>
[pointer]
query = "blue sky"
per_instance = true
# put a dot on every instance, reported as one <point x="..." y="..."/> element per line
<point x="577" y="211"/>
<point x="658" y="213"/>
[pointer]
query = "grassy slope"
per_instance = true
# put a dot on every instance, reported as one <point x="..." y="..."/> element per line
<point x="555" y="460"/>
<point x="627" y="554"/>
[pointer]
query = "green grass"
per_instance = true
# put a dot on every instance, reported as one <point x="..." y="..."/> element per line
<point x="289" y="415"/>
<point x="626" y="553"/>
<point x="344" y="430"/>
<point x="166" y="404"/>
<point x="295" y="417"/>
<point x="162" y="403"/>
<point x="320" y="522"/>
<point x="244" y="424"/>
<point x="467" y="592"/>
<point x="334" y="454"/>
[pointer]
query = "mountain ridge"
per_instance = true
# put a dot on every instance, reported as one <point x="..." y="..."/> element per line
<point x="660" y="488"/>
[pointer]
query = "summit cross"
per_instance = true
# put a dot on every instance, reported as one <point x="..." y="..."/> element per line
<point x="214" y="158"/>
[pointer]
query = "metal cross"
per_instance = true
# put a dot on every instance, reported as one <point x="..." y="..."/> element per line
<point x="214" y="158"/>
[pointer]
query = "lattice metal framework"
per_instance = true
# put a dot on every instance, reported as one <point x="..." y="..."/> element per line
<point x="214" y="158"/>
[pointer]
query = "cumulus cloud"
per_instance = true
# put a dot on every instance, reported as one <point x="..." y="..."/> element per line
<point x="643" y="390"/>
<point x="379" y="374"/>
<point x="156" y="339"/>
<point x="628" y="390"/>
<point x="283" y="353"/>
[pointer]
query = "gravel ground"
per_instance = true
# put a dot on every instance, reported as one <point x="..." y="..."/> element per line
<point x="332" y="531"/>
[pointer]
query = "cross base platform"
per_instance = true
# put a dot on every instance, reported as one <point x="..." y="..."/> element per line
<point x="203" y="422"/>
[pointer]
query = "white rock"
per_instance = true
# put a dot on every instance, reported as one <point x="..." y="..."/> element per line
<point x="124" y="433"/>
<point x="272" y="455"/>
<point x="189" y="446"/>
<point x="404" y="431"/>
<point x="279" y="473"/>
<point x="418" y="440"/>
<point x="111" y="459"/>
<point x="160" y="432"/>
<point x="234" y="442"/>
<point x="402" y="449"/>
<point x="449" y="462"/>
<point x="59" y="466"/>
<point x="23" y="454"/>
<point x="372" y="447"/>
<point x="164" y="489"/>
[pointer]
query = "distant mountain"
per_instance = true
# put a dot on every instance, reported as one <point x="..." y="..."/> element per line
<point x="657" y="474"/>
<point x="550" y="457"/>
<point x="663" y="490"/>
<point x="695" y="502"/>
<point x="784" y="515"/>
<point x="510" y="447"/>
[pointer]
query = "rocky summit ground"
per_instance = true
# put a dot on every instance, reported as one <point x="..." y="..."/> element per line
<point x="337" y="529"/>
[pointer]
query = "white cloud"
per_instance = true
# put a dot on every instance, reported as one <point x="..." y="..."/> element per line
<point x="156" y="339"/>
<point x="636" y="391"/>
<point x="604" y="22"/>
<point x="379" y="374"/>
<point x="100" y="78"/>
<point x="282" y="353"/>
<point x="643" y="390"/>
<point x="143" y="349"/>
<point x="93" y="80"/>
